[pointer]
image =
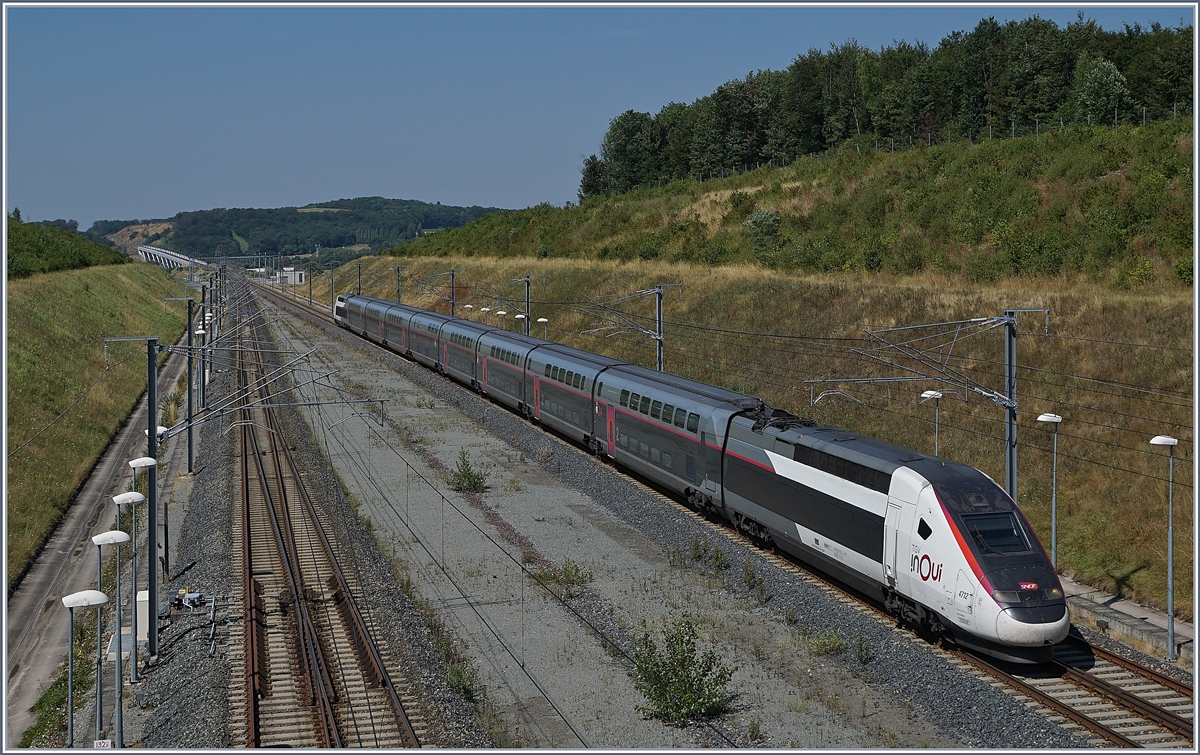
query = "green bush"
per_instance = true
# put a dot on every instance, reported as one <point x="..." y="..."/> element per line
<point x="679" y="682"/>
<point x="35" y="248"/>
<point x="1183" y="271"/>
<point x="465" y="478"/>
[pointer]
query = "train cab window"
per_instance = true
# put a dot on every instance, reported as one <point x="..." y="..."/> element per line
<point x="924" y="530"/>
<point x="680" y="417"/>
<point x="996" y="533"/>
<point x="693" y="423"/>
<point x="624" y="398"/>
<point x="656" y="409"/>
<point x="633" y="401"/>
<point x="644" y="406"/>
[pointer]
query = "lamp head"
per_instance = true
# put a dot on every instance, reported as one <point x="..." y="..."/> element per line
<point x="1163" y="440"/>
<point x="502" y="313"/>
<point x="519" y="317"/>
<point x="931" y="394"/>
<point x="542" y="319"/>
<point x="1050" y="418"/>
<point x="145" y="461"/>
<point x="84" y="599"/>
<point x="112" y="537"/>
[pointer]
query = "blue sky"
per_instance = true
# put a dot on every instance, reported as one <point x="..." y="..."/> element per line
<point x="120" y="113"/>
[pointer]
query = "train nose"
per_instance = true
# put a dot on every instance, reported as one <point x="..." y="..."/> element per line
<point x="1033" y="625"/>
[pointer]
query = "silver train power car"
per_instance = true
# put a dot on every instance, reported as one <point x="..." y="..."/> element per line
<point x="940" y="543"/>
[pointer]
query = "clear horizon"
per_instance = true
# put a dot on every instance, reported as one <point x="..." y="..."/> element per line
<point x="123" y="113"/>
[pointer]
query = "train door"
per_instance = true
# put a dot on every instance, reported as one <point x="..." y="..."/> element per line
<point x="612" y="431"/>
<point x="537" y="397"/>
<point x="891" y="537"/>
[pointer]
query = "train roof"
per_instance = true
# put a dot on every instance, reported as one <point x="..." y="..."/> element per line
<point x="711" y="392"/>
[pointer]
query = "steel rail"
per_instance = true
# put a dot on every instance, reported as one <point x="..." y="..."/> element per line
<point x="1036" y="694"/>
<point x="1132" y="666"/>
<point x="1127" y="700"/>
<point x="313" y="669"/>
<point x="358" y="628"/>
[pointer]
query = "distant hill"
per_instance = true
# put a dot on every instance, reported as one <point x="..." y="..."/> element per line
<point x="375" y="222"/>
<point x="46" y="247"/>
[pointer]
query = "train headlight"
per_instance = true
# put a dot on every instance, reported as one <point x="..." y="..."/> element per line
<point x="1053" y="593"/>
<point x="1006" y="596"/>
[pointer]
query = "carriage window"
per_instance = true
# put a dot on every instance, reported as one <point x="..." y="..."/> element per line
<point x="547" y="370"/>
<point x="654" y="455"/>
<point x="624" y="398"/>
<point x="693" y="422"/>
<point x="666" y="460"/>
<point x="554" y="375"/>
<point x="668" y="412"/>
<point x="577" y="380"/>
<point x="599" y="389"/>
<point x="656" y="409"/>
<point x="633" y="401"/>
<point x="644" y="407"/>
<point x="570" y="378"/>
<point x="643" y="450"/>
<point x="680" y="417"/>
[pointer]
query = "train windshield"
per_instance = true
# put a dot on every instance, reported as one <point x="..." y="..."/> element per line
<point x="996" y="533"/>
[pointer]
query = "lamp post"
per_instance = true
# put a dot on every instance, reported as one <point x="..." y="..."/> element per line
<point x="469" y="308"/>
<point x="503" y="315"/>
<point x="1170" y="443"/>
<point x="112" y="537"/>
<point x="525" y="321"/>
<point x="1053" y="419"/>
<point x="545" y="327"/>
<point x="937" y="410"/>
<point x="145" y="462"/>
<point x="486" y="314"/>
<point x="81" y="599"/>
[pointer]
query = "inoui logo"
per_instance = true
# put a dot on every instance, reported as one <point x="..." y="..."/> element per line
<point x="925" y="567"/>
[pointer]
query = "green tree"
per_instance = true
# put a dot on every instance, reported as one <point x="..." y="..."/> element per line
<point x="1099" y="89"/>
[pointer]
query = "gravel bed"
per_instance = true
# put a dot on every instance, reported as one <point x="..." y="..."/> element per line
<point x="892" y="667"/>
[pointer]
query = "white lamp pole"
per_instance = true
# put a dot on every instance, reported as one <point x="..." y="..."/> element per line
<point x="937" y="410"/>
<point x="545" y="327"/>
<point x="1170" y="443"/>
<point x="522" y="317"/>
<point x="200" y="386"/>
<point x="502" y="314"/>
<point x="486" y="314"/>
<point x="112" y="537"/>
<point x="1054" y="419"/>
<point x="81" y="599"/>
<point x="469" y="308"/>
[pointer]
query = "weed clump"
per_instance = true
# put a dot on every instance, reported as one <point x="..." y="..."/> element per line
<point x="678" y="681"/>
<point x="828" y="642"/>
<point x="465" y="478"/>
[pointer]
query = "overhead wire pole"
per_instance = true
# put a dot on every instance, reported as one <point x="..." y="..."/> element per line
<point x="619" y="322"/>
<point x="152" y="475"/>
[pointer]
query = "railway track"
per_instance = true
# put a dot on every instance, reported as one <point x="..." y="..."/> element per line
<point x="313" y="675"/>
<point x="1106" y="698"/>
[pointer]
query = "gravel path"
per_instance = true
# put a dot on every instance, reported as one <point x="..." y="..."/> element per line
<point x="548" y="669"/>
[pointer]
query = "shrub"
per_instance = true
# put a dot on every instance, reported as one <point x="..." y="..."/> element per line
<point x="679" y="682"/>
<point x="1183" y="271"/>
<point x="465" y="478"/>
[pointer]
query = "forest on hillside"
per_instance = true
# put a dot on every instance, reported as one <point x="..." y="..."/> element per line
<point x="377" y="222"/>
<point x="998" y="80"/>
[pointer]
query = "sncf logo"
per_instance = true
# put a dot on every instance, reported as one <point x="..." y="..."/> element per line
<point x="926" y="568"/>
<point x="1027" y="586"/>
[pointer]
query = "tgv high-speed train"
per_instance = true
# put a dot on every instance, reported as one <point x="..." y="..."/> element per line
<point x="939" y="542"/>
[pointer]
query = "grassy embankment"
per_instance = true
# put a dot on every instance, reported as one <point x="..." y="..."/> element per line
<point x="56" y="326"/>
<point x="1112" y="490"/>
<point x="1107" y="205"/>
<point x="34" y="248"/>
